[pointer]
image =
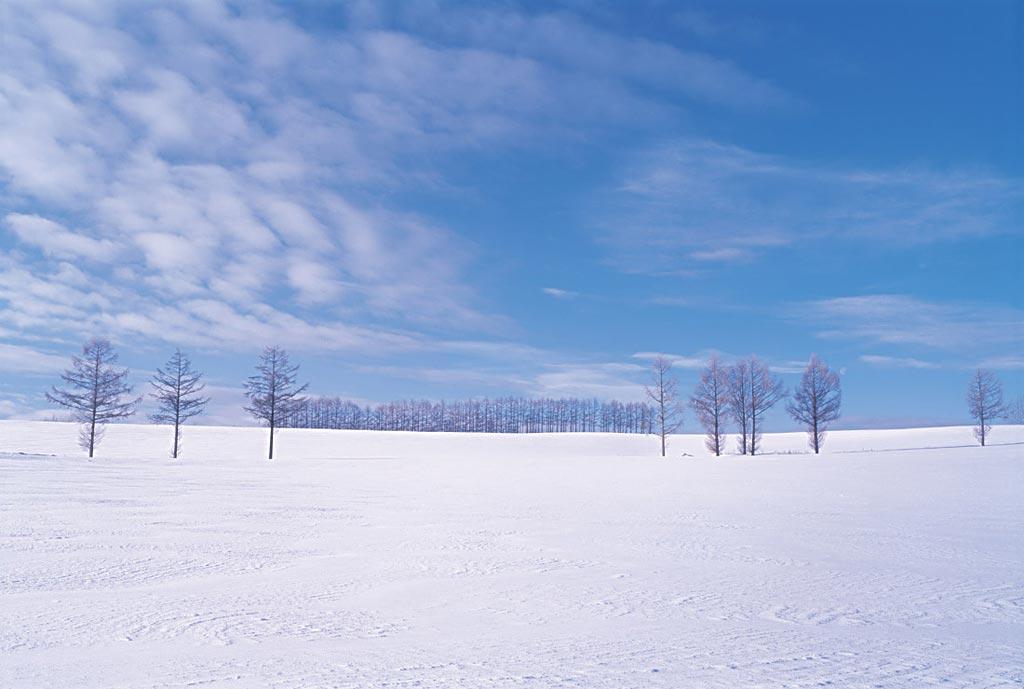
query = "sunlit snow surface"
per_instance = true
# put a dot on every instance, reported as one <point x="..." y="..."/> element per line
<point x="403" y="560"/>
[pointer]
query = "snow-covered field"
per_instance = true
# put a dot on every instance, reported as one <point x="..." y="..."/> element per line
<point x="358" y="559"/>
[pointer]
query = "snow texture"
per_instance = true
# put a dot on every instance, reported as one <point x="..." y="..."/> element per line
<point x="361" y="559"/>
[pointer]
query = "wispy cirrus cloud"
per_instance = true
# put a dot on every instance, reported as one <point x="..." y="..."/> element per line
<point x="184" y="166"/>
<point x="726" y="254"/>
<point x="899" y="319"/>
<point x="602" y="60"/>
<point x="884" y="361"/>
<point x="241" y="168"/>
<point x="691" y="361"/>
<point x="603" y="380"/>
<point x="25" y="359"/>
<point x="1002" y="363"/>
<point x="716" y="27"/>
<point x="610" y="380"/>
<point x="996" y="363"/>
<point x="56" y="240"/>
<point x="558" y="293"/>
<point x="700" y="359"/>
<point x="701" y="201"/>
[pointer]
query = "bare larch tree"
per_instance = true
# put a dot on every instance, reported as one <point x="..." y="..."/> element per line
<point x="178" y="391"/>
<point x="663" y="391"/>
<point x="817" y="400"/>
<point x="766" y="389"/>
<point x="710" y="401"/>
<point x="985" y="402"/>
<point x="738" y="382"/>
<point x="97" y="391"/>
<point x="273" y="392"/>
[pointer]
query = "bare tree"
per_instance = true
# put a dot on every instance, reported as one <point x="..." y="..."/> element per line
<point x="985" y="402"/>
<point x="1015" y="411"/>
<point x="710" y="401"/>
<point x="738" y="383"/>
<point x="177" y="389"/>
<point x="766" y="389"/>
<point x="97" y="391"/>
<point x="816" y="401"/>
<point x="663" y="391"/>
<point x="273" y="392"/>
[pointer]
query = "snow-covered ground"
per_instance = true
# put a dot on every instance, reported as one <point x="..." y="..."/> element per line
<point x="359" y="559"/>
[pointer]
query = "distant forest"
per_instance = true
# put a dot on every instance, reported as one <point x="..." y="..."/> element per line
<point x="499" y="415"/>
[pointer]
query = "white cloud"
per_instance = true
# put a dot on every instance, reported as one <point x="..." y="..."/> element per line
<point x="789" y="367"/>
<point x="477" y="377"/>
<point x="709" y="201"/>
<point x="1002" y="363"/>
<point x="896" y="361"/>
<point x="295" y="224"/>
<point x="201" y="160"/>
<point x="167" y="252"/>
<point x="700" y="359"/>
<point x="22" y="359"/>
<point x="178" y="117"/>
<point x="559" y="293"/>
<point x="56" y="240"/>
<point x="511" y="372"/>
<point x="897" y="319"/>
<point x="678" y="360"/>
<point x="314" y="281"/>
<point x="602" y="380"/>
<point x="726" y="254"/>
<point x="227" y="152"/>
<point x="566" y="42"/>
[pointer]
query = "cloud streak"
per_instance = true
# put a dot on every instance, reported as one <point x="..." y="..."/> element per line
<point x="221" y="188"/>
<point x="698" y="200"/>
<point x="902" y="319"/>
<point x="896" y="361"/>
<point x="239" y="169"/>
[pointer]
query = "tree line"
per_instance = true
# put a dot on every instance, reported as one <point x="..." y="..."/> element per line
<point x="737" y="396"/>
<point x="488" y="415"/>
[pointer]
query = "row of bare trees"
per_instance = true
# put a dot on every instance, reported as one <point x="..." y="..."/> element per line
<point x="488" y="415"/>
<point x="96" y="391"/>
<point x="741" y="394"/>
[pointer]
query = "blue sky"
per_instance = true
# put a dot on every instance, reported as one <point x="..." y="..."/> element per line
<point x="428" y="199"/>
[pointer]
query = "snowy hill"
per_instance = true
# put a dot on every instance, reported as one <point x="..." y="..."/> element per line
<point x="437" y="560"/>
<point x="140" y="441"/>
